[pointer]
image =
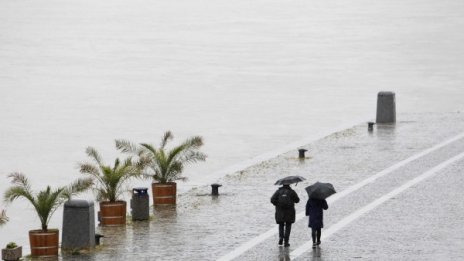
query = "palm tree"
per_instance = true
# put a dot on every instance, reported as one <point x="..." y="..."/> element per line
<point x="109" y="179"/>
<point x="46" y="201"/>
<point x="165" y="165"/>
<point x="3" y="217"/>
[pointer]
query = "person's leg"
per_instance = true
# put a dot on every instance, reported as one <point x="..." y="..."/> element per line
<point x="288" y="229"/>
<point x="281" y="233"/>
<point x="319" y="236"/>
<point x="313" y="236"/>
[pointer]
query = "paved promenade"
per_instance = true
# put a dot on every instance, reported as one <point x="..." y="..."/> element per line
<point x="399" y="198"/>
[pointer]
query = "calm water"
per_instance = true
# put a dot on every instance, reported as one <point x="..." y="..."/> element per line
<point x="255" y="79"/>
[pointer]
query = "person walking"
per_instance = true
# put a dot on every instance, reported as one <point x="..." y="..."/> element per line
<point x="314" y="209"/>
<point x="284" y="200"/>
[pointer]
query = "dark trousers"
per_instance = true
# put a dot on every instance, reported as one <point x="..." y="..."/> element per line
<point x="316" y="233"/>
<point x="284" y="230"/>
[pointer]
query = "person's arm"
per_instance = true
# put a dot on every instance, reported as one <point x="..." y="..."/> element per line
<point x="274" y="198"/>
<point x="296" y="199"/>
<point x="324" y="204"/>
<point x="308" y="206"/>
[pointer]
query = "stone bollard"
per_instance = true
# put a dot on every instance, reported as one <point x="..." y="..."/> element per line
<point x="140" y="204"/>
<point x="78" y="224"/>
<point x="301" y="153"/>
<point x="386" y="107"/>
<point x="215" y="189"/>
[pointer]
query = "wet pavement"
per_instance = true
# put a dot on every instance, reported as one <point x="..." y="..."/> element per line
<point x="422" y="222"/>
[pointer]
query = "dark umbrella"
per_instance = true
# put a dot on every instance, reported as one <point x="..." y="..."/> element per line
<point x="289" y="180"/>
<point x="320" y="190"/>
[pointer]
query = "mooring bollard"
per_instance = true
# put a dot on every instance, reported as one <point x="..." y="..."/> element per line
<point x="215" y="189"/>
<point x="370" y="126"/>
<point x="386" y="107"/>
<point x="97" y="238"/>
<point x="301" y="153"/>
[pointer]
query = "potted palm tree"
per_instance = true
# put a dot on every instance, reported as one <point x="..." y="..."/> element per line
<point x="108" y="186"/>
<point x="44" y="241"/>
<point x="164" y="165"/>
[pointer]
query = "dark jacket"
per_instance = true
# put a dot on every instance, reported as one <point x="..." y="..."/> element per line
<point x="314" y="209"/>
<point x="285" y="214"/>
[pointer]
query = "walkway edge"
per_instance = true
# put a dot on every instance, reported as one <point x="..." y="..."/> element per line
<point x="260" y="238"/>
<point x="379" y="201"/>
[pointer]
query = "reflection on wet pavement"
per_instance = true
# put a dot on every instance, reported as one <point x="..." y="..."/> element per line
<point x="205" y="227"/>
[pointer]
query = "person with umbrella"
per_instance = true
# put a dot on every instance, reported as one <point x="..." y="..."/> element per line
<point x="284" y="200"/>
<point x="315" y="205"/>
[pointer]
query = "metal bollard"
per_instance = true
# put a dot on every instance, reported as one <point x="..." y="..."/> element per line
<point x="97" y="238"/>
<point x="301" y="153"/>
<point x="215" y="189"/>
<point x="370" y="126"/>
<point x="386" y="107"/>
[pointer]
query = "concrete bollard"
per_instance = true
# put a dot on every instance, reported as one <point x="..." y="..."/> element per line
<point x="386" y="107"/>
<point x="78" y="225"/>
<point x="215" y="189"/>
<point x="140" y="204"/>
<point x="301" y="153"/>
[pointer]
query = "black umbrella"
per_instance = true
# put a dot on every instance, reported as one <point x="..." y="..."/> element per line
<point x="289" y="180"/>
<point x="320" y="190"/>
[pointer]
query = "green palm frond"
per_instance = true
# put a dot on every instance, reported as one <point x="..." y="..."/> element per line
<point x="93" y="153"/>
<point x="148" y="148"/>
<point x="45" y="202"/>
<point x="165" y="165"/>
<point x="166" y="137"/>
<point x="20" y="179"/>
<point x="88" y="168"/>
<point x="192" y="157"/>
<point x="20" y="188"/>
<point x="193" y="142"/>
<point x="126" y="146"/>
<point x="78" y="186"/>
<point x="108" y="180"/>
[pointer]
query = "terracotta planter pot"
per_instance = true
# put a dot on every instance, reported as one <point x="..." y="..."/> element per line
<point x="164" y="193"/>
<point x="113" y="213"/>
<point x="10" y="254"/>
<point x="44" y="243"/>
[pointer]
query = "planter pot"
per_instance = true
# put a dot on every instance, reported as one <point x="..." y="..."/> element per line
<point x="44" y="243"/>
<point x="10" y="254"/>
<point x="113" y="213"/>
<point x="164" y="193"/>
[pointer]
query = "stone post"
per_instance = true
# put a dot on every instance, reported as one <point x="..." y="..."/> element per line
<point x="78" y="225"/>
<point x="386" y="107"/>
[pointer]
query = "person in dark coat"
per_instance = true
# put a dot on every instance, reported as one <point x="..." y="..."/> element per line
<point x="314" y="209"/>
<point x="284" y="200"/>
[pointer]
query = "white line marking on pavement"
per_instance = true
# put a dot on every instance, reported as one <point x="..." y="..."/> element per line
<point x="364" y="210"/>
<point x="260" y="238"/>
